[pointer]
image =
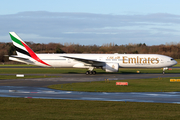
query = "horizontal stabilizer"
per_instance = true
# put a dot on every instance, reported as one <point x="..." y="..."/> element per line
<point x="18" y="57"/>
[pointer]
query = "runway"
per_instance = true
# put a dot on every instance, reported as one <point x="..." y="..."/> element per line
<point x="37" y="88"/>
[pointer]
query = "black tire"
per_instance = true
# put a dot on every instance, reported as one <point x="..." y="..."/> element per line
<point x="94" y="72"/>
<point x="87" y="72"/>
<point x="163" y="72"/>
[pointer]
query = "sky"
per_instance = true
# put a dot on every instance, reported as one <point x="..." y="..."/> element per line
<point x="89" y="22"/>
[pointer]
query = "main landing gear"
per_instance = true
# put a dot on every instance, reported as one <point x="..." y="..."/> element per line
<point x="90" y="72"/>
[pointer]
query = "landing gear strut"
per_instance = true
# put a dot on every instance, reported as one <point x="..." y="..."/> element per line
<point x="91" y="71"/>
<point x="164" y="70"/>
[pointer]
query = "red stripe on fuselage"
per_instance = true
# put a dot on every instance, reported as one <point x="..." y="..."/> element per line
<point x="33" y="55"/>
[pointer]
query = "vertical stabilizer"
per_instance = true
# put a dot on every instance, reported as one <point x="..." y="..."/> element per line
<point x="22" y="49"/>
<point x="19" y="45"/>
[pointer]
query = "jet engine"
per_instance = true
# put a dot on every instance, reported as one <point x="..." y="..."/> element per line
<point x="111" y="67"/>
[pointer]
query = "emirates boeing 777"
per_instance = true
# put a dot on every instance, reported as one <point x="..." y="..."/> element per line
<point x="107" y="62"/>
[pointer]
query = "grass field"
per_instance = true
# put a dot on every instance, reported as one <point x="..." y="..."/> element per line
<point x="50" y="109"/>
<point x="44" y="109"/>
<point x="138" y="85"/>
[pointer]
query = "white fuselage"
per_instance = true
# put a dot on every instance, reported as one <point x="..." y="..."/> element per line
<point x="107" y="62"/>
<point x="124" y="60"/>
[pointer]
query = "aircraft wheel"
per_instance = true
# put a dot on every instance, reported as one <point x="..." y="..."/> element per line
<point x="87" y="72"/>
<point x="163" y="72"/>
<point x="90" y="72"/>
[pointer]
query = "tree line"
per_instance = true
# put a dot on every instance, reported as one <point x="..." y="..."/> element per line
<point x="171" y="50"/>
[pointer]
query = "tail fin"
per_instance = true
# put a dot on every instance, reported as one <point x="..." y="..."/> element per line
<point x="20" y="45"/>
<point x="22" y="49"/>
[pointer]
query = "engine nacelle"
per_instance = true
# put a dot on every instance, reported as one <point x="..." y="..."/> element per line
<point x="111" y="67"/>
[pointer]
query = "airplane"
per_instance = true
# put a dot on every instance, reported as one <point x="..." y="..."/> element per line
<point x="107" y="62"/>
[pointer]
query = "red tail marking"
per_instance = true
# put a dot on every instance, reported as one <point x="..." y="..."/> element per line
<point x="33" y="55"/>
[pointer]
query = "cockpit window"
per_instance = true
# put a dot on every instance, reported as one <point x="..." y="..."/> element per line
<point x="172" y="59"/>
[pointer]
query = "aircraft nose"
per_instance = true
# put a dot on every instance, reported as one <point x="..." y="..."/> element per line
<point x="175" y="62"/>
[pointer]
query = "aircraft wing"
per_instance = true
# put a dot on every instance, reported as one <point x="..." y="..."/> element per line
<point x="94" y="63"/>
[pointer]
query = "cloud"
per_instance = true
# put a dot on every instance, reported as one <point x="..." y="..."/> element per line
<point x="87" y="28"/>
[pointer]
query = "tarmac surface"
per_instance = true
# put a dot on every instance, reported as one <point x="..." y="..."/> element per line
<point x="37" y="88"/>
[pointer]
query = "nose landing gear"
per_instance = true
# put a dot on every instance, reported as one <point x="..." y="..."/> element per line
<point x="166" y="68"/>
